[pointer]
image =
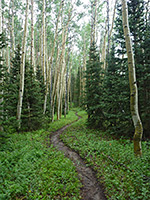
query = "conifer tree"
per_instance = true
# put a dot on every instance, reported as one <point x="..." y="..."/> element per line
<point x="115" y="98"/>
<point x="11" y="90"/>
<point x="32" y="117"/>
<point x="94" y="88"/>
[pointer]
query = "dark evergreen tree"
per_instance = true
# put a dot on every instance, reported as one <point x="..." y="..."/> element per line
<point x="32" y="110"/>
<point x="94" y="89"/>
<point x="141" y="43"/>
<point x="116" y="85"/>
<point x="11" y="92"/>
<point x="115" y="98"/>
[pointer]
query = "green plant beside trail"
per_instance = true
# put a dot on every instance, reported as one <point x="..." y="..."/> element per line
<point x="123" y="175"/>
<point x="31" y="170"/>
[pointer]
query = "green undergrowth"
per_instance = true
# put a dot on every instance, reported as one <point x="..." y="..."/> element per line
<point x="123" y="175"/>
<point x="29" y="169"/>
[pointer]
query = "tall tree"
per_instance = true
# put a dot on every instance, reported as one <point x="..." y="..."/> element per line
<point x="32" y="37"/>
<point x="1" y="78"/>
<point x="12" y="30"/>
<point x="133" y="83"/>
<point x="22" y="66"/>
<point x="44" y="44"/>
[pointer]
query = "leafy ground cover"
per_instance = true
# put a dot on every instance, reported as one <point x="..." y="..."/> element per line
<point x="31" y="170"/>
<point x="124" y="176"/>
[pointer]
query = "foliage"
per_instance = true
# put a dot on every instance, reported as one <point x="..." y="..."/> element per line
<point x="115" y="98"/>
<point x="32" y="116"/>
<point x="11" y="93"/>
<point x="123" y="175"/>
<point x="30" y="169"/>
<point x="93" y="88"/>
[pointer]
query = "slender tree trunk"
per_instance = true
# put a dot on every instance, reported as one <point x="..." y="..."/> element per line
<point x="133" y="84"/>
<point x="43" y="63"/>
<point x="32" y="38"/>
<point x="112" y="25"/>
<point x="69" y="87"/>
<point x="12" y="30"/>
<point x="84" y="66"/>
<point x="56" y="77"/>
<point x="8" y="59"/>
<point x="93" y="21"/>
<point x="48" y="82"/>
<point x="57" y="86"/>
<point x="0" y="17"/>
<point x="108" y="33"/>
<point x="67" y="82"/>
<point x="103" y="56"/>
<point x="1" y="81"/>
<point x="41" y="50"/>
<point x="22" y="67"/>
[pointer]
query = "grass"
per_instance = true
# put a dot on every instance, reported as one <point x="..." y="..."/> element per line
<point x="123" y="175"/>
<point x="31" y="170"/>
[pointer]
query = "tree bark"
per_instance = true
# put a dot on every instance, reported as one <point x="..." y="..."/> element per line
<point x="48" y="82"/>
<point x="22" y="67"/>
<point x="12" y="30"/>
<point x="43" y="63"/>
<point x="113" y="19"/>
<point x="1" y="81"/>
<point x="108" y="33"/>
<point x="93" y="21"/>
<point x="133" y="84"/>
<point x="32" y="38"/>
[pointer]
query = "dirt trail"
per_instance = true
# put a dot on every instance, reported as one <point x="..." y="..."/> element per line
<point x="91" y="189"/>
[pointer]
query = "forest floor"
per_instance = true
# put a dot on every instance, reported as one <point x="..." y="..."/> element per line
<point x="91" y="189"/>
<point x="68" y="161"/>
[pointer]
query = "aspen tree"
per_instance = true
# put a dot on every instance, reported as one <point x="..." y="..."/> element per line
<point x="112" y="25"/>
<point x="93" y="21"/>
<point x="60" y="70"/>
<point x="8" y="58"/>
<point x="41" y="47"/>
<point x="133" y="83"/>
<point x="1" y="92"/>
<point x="67" y="81"/>
<point x="32" y="38"/>
<point x="22" y="66"/>
<point x="69" y="85"/>
<point x="108" y="34"/>
<point x="62" y="63"/>
<point x="56" y="76"/>
<point x="103" y="56"/>
<point x="48" y="82"/>
<point x="12" y="30"/>
<point x="84" y="64"/>
<point x="44" y="32"/>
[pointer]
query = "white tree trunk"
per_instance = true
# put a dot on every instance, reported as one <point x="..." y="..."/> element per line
<point x="133" y="84"/>
<point x="48" y="82"/>
<point x="43" y="64"/>
<point x="12" y="30"/>
<point x="32" y="38"/>
<point x="22" y="67"/>
<point x="1" y="92"/>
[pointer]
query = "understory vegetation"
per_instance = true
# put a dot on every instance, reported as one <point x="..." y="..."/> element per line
<point x="31" y="168"/>
<point x="123" y="175"/>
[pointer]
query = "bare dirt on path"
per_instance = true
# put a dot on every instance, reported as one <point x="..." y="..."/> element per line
<point x="91" y="189"/>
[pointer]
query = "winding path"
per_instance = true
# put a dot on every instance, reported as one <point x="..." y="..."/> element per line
<point x="91" y="189"/>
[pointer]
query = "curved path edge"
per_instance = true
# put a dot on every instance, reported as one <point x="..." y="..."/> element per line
<point x="91" y="189"/>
